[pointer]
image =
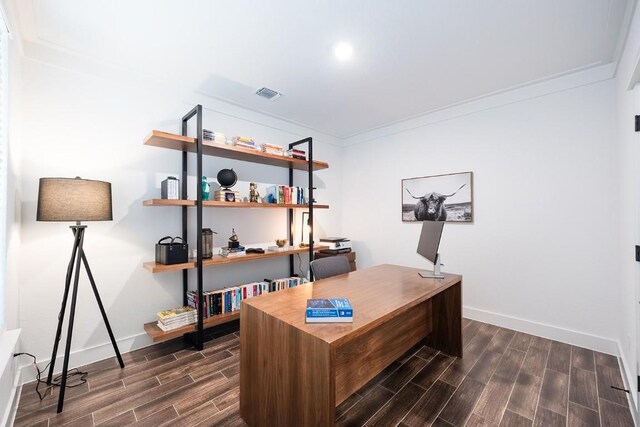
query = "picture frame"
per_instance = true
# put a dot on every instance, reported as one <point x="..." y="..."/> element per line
<point x="446" y="197"/>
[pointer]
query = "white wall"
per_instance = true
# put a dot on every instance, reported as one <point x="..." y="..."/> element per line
<point x="542" y="254"/>
<point x="77" y="123"/>
<point x="13" y="185"/>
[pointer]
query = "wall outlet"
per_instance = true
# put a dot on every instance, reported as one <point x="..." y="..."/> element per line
<point x="627" y="341"/>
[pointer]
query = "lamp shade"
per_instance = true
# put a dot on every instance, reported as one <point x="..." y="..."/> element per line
<point x="74" y="199"/>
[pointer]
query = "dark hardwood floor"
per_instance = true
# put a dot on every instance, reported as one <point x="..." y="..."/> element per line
<point x="506" y="378"/>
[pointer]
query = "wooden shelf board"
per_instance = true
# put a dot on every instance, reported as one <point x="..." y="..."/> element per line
<point x="184" y="143"/>
<point x="213" y="204"/>
<point x="158" y="334"/>
<point x="220" y="260"/>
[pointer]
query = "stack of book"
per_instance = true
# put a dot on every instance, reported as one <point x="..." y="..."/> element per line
<point x="176" y="318"/>
<point x="226" y="196"/>
<point x="244" y="142"/>
<point x="272" y="149"/>
<point x="332" y="310"/>
<point x="208" y="135"/>
<point x="297" y="154"/>
<point x="231" y="252"/>
<point x="229" y="299"/>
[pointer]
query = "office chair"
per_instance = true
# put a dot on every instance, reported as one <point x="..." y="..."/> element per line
<point x="330" y="266"/>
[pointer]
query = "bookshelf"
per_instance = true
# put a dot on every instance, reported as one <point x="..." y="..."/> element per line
<point x="187" y="144"/>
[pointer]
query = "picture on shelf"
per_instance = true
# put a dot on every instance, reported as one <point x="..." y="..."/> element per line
<point x="446" y="197"/>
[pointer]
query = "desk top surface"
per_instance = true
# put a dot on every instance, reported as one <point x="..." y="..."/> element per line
<point x="375" y="293"/>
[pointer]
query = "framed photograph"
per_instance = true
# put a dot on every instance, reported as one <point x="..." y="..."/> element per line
<point x="438" y="198"/>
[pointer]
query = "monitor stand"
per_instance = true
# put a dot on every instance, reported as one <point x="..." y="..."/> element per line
<point x="435" y="274"/>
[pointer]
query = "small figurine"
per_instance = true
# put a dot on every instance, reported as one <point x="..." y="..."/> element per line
<point x="233" y="240"/>
<point x="206" y="188"/>
<point x="254" y="196"/>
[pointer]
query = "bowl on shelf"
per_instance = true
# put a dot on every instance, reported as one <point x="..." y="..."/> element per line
<point x="281" y="242"/>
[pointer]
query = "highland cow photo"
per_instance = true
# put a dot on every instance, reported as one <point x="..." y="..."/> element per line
<point x="438" y="198"/>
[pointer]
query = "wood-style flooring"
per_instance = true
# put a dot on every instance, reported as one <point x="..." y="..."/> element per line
<point x="506" y="378"/>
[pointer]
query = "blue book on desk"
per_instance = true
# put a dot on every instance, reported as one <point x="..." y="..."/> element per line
<point x="332" y="310"/>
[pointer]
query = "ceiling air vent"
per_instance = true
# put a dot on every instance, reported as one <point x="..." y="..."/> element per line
<point x="267" y="93"/>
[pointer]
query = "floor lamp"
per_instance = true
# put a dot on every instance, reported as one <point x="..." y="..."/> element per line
<point x="76" y="200"/>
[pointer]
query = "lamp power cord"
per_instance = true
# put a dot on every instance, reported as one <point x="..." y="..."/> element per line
<point x="75" y="372"/>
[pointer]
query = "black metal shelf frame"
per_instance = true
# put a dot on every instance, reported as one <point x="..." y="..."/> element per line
<point x="197" y="337"/>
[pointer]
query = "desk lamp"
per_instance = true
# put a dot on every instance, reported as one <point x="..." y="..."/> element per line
<point x="306" y="228"/>
<point x="74" y="200"/>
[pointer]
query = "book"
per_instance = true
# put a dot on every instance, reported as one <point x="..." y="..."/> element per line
<point x="166" y="328"/>
<point x="279" y="249"/>
<point x="235" y="254"/>
<point x="170" y="188"/>
<point x="331" y="310"/>
<point x="177" y="324"/>
<point x="272" y="149"/>
<point x="177" y="312"/>
<point x="296" y="154"/>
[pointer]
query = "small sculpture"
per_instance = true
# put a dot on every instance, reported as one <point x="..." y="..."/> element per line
<point x="254" y="196"/>
<point x="233" y="240"/>
<point x="206" y="188"/>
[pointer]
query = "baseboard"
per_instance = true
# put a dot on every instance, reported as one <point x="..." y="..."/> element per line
<point x="580" y="339"/>
<point x="15" y="399"/>
<point x="8" y="371"/>
<point x="629" y="383"/>
<point x="87" y="355"/>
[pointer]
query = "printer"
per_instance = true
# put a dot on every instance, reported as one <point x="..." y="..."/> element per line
<point x="337" y="245"/>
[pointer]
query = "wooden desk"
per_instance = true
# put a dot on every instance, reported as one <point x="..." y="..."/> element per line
<point x="294" y="374"/>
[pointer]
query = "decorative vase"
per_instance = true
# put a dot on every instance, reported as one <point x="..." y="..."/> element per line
<point x="206" y="188"/>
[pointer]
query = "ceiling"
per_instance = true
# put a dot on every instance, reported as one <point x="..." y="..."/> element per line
<point x="410" y="57"/>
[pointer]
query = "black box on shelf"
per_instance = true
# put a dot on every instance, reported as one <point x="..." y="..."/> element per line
<point x="170" y="188"/>
<point x="171" y="252"/>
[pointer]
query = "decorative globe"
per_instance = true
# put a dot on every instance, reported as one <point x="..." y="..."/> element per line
<point x="227" y="178"/>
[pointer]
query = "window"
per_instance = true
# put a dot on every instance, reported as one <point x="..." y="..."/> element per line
<point x="4" y="158"/>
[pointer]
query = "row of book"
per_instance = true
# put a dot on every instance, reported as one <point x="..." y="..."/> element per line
<point x="228" y="299"/>
<point x="176" y="318"/>
<point x="285" y="194"/>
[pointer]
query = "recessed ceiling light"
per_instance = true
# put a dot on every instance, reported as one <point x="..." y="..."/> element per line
<point x="343" y="51"/>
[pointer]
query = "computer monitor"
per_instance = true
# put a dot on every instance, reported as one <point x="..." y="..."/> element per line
<point x="428" y="247"/>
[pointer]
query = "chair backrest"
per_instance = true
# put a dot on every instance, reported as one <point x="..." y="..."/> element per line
<point x="330" y="266"/>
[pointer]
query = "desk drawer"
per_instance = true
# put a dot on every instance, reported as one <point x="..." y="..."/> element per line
<point x="359" y="360"/>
